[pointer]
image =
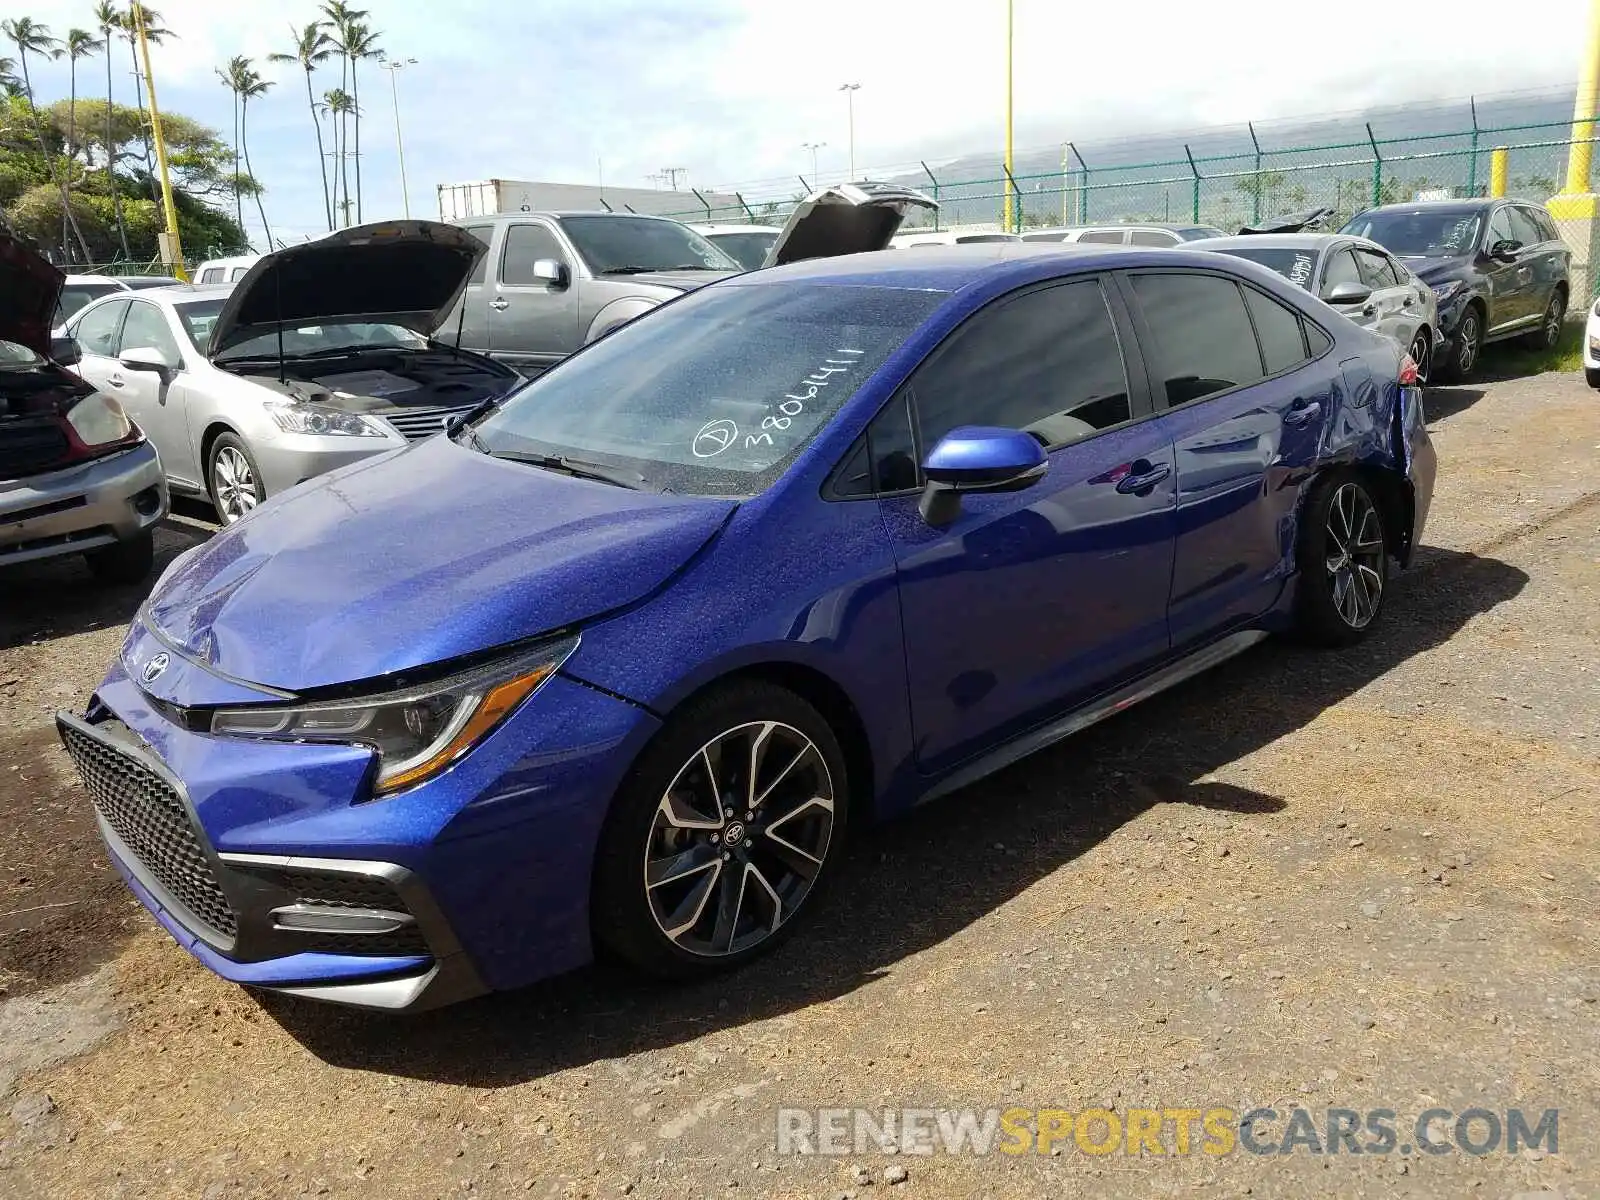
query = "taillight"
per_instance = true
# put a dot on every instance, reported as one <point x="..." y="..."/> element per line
<point x="1408" y="371"/>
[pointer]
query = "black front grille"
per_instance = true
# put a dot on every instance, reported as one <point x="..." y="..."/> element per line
<point x="418" y="423"/>
<point x="146" y="812"/>
<point x="31" y="447"/>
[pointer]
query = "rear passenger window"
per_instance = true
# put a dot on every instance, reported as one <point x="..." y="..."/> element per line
<point x="211" y="275"/>
<point x="485" y="234"/>
<point x="1046" y="362"/>
<point x="1278" y="329"/>
<point x="1547" y="226"/>
<point x="1524" y="227"/>
<point x="1152" y="237"/>
<point x="1204" y="340"/>
<point x="1109" y="236"/>
<point x="1317" y="342"/>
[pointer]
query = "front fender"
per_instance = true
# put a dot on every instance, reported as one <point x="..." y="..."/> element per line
<point x="617" y="314"/>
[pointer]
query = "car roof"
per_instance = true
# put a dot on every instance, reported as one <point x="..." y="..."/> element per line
<point x="1278" y="241"/>
<point x="71" y="279"/>
<point x="950" y="268"/>
<point x="1469" y="204"/>
<point x="558" y="214"/>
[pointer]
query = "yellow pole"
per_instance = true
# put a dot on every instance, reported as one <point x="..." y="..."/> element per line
<point x="1497" y="171"/>
<point x="1010" y="23"/>
<point x="1581" y="151"/>
<point x="174" y="246"/>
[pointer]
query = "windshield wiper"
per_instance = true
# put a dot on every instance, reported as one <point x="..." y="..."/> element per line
<point x="577" y="468"/>
<point x="631" y="270"/>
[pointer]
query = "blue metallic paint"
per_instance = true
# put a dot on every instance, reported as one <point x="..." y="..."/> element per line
<point x="938" y="644"/>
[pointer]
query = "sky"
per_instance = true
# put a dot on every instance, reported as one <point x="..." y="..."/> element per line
<point x="582" y="90"/>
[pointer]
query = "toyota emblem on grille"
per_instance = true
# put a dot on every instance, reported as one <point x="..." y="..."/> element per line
<point x="153" y="669"/>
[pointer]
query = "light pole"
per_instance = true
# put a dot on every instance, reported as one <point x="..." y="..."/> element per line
<point x="1010" y="199"/>
<point x="394" y="66"/>
<point x="816" y="180"/>
<point x="850" y="90"/>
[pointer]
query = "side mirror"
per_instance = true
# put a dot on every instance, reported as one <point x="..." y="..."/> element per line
<point x="1347" y="293"/>
<point x="978" y="458"/>
<point x="1505" y="250"/>
<point x="65" y="351"/>
<point x="148" y="358"/>
<point x="548" y="270"/>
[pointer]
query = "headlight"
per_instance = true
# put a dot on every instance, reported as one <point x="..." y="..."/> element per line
<point x="99" y="420"/>
<point x="314" y="418"/>
<point x="416" y="732"/>
<point x="1595" y="311"/>
<point x="1445" y="290"/>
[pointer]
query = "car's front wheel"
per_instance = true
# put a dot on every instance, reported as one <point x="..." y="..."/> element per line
<point x="233" y="478"/>
<point x="1343" y="560"/>
<point x="722" y="834"/>
<point x="1466" y="346"/>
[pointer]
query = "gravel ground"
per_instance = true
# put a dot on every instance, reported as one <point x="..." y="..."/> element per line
<point x="1360" y="881"/>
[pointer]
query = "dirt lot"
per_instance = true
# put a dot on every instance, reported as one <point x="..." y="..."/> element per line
<point x="1361" y="881"/>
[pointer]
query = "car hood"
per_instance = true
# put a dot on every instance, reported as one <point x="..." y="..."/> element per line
<point x="1439" y="270"/>
<point x="681" y="281"/>
<point x="1299" y="222"/>
<point x="29" y="289"/>
<point x="415" y="558"/>
<point x="851" y="218"/>
<point x="408" y="273"/>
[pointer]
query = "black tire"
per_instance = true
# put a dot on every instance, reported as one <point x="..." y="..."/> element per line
<point x="638" y="832"/>
<point x="1328" y="612"/>
<point x="231" y="505"/>
<point x="1548" y="335"/>
<point x="1421" y="352"/>
<point x="124" y="562"/>
<point x="1463" y="350"/>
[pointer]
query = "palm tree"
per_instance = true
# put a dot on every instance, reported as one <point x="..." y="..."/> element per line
<point x="359" y="42"/>
<point x="336" y="102"/>
<point x="343" y="23"/>
<point x="248" y="85"/>
<point x="312" y="48"/>
<point x="79" y="43"/>
<point x="28" y="36"/>
<point x="155" y="34"/>
<point x="10" y="85"/>
<point x="109" y="18"/>
<point x="231" y="77"/>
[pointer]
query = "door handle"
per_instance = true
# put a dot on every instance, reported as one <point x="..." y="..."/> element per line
<point x="500" y="304"/>
<point x="1142" y="477"/>
<point x="115" y="380"/>
<point x="1369" y="310"/>
<point x="1302" y="414"/>
<point x="1408" y="301"/>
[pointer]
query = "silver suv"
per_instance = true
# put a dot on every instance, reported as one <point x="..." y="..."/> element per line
<point x="553" y="282"/>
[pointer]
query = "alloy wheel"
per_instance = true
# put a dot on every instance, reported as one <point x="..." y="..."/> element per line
<point x="1553" y="316"/>
<point x="1355" y="553"/>
<point x="738" y="838"/>
<point x="234" y="483"/>
<point x="1421" y="355"/>
<point x="1467" y="355"/>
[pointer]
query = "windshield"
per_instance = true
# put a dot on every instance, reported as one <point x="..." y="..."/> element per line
<point x="1200" y="233"/>
<point x="200" y="318"/>
<point x="1420" y="233"/>
<point x="611" y="242"/>
<point x="715" y="393"/>
<point x="1297" y="266"/>
<point x="75" y="295"/>
<point x="749" y="249"/>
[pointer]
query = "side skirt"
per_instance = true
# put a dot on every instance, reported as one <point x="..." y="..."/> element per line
<point x="1096" y="711"/>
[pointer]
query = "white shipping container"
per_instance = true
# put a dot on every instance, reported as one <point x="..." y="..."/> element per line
<point x="482" y="198"/>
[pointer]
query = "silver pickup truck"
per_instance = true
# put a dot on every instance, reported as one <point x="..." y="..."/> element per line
<point x="555" y="281"/>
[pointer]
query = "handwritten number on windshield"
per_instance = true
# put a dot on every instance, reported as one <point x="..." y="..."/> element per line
<point x="793" y="403"/>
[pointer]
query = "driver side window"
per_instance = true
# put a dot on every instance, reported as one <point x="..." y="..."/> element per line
<point x="1046" y="361"/>
<point x="526" y="245"/>
<point x="147" y="326"/>
<point x="1500" y="229"/>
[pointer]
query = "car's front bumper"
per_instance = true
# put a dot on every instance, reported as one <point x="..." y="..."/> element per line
<point x="475" y="880"/>
<point x="290" y="458"/>
<point x="82" y="507"/>
<point x="1591" y="340"/>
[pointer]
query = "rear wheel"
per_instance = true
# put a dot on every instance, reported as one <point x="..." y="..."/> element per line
<point x="1549" y="332"/>
<point x="722" y="834"/>
<point x="124" y="562"/>
<point x="233" y="478"/>
<point x="1343" y="559"/>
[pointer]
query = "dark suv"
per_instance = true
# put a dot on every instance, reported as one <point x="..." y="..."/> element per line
<point x="1498" y="267"/>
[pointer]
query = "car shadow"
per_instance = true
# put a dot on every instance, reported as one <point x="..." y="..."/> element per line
<point x="1441" y="403"/>
<point x="54" y="597"/>
<point x="917" y="881"/>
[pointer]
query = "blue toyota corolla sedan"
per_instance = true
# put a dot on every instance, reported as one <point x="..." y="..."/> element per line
<point x="617" y="662"/>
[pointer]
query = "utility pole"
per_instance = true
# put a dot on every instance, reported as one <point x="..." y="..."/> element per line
<point x="816" y="180"/>
<point x="172" y="247"/>
<point x="394" y="66"/>
<point x="670" y="175"/>
<point x="1010" y="199"/>
<point x="850" y="90"/>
